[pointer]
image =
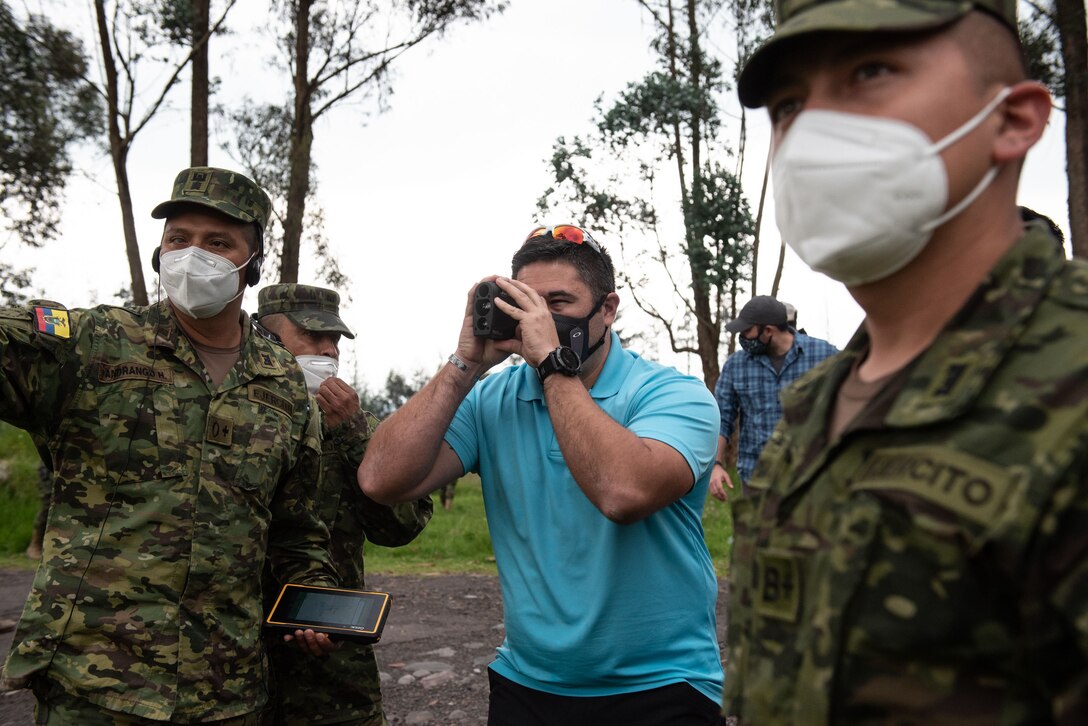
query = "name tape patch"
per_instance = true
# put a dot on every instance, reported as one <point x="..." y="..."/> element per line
<point x="971" y="487"/>
<point x="133" y="371"/>
<point x="272" y="400"/>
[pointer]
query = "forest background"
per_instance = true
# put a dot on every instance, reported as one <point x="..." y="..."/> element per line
<point x="410" y="144"/>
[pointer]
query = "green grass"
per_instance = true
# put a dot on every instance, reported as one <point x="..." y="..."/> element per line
<point x="18" y="490"/>
<point x="718" y="531"/>
<point x="454" y="541"/>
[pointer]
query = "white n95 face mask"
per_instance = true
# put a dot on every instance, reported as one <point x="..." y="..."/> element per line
<point x="199" y="283"/>
<point x="317" y="368"/>
<point x="858" y="197"/>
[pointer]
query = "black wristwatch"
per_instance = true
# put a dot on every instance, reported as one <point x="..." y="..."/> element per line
<point x="561" y="360"/>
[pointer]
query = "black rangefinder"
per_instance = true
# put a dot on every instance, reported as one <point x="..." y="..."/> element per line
<point x="488" y="321"/>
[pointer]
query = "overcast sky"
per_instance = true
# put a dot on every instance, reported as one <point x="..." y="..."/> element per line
<point x="437" y="192"/>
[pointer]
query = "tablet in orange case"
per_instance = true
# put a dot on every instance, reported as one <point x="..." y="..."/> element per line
<point x="355" y="615"/>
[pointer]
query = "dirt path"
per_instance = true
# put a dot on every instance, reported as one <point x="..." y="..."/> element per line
<point x="441" y="635"/>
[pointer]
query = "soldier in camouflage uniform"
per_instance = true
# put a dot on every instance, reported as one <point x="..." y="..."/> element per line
<point x="914" y="552"/>
<point x="343" y="688"/>
<point x="184" y="451"/>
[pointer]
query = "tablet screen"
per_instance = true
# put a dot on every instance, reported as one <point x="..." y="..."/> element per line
<point x="329" y="608"/>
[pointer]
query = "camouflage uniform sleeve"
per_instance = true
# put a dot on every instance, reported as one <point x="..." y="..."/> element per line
<point x="39" y="364"/>
<point x="383" y="525"/>
<point x="298" y="540"/>
<point x="1058" y="575"/>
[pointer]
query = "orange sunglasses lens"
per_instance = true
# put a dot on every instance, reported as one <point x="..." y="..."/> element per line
<point x="569" y="233"/>
<point x="566" y="233"/>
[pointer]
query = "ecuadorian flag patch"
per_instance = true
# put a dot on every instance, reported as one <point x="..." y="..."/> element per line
<point x="53" y="321"/>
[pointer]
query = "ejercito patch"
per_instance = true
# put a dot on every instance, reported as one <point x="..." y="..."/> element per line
<point x="971" y="487"/>
<point x="270" y="399"/>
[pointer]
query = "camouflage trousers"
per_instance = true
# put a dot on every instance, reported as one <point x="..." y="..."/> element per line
<point x="341" y="688"/>
<point x="57" y="708"/>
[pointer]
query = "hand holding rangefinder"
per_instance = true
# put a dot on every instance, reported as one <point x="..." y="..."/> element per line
<point x="488" y="321"/>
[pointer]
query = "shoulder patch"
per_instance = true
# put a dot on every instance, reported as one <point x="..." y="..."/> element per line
<point x="52" y="320"/>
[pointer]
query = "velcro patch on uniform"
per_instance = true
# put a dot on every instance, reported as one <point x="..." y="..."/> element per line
<point x="109" y="373"/>
<point x="778" y="587"/>
<point x="220" y="430"/>
<point x="971" y="487"/>
<point x="272" y="400"/>
<point x="52" y="321"/>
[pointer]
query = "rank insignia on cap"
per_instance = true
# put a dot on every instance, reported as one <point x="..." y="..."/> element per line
<point x="53" y="321"/>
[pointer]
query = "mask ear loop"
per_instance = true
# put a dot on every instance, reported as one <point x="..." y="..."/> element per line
<point x="952" y="138"/>
<point x="972" y="122"/>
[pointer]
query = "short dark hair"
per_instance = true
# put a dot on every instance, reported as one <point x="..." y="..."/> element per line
<point x="1028" y="215"/>
<point x="594" y="268"/>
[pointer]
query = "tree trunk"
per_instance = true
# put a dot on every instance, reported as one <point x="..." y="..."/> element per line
<point x="128" y="223"/>
<point x="302" y="137"/>
<point x="1070" y="16"/>
<point x="198" y="143"/>
<point x="707" y="326"/>
<point x="119" y="156"/>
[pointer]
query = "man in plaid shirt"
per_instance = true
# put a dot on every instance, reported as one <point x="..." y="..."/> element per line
<point x="772" y="356"/>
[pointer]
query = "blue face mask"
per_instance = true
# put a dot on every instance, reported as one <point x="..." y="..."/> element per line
<point x="574" y="332"/>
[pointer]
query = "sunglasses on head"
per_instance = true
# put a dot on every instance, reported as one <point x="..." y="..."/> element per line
<point x="567" y="233"/>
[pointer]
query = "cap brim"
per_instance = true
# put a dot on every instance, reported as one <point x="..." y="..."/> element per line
<point x="753" y="84"/>
<point x="164" y="210"/>
<point x="736" y="326"/>
<point x="319" y="321"/>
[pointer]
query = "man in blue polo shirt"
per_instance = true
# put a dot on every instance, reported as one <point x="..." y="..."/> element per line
<point x="772" y="356"/>
<point x="594" y="464"/>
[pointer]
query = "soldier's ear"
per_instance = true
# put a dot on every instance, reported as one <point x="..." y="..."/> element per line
<point x="1024" y="115"/>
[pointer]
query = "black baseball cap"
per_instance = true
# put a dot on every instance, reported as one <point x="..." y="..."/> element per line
<point x="760" y="310"/>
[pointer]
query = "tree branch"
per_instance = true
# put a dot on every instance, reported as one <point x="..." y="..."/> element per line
<point x="153" y="109"/>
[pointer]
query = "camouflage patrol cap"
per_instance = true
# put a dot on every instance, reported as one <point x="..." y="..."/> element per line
<point x="311" y="308"/>
<point x="225" y="191"/>
<point x="797" y="18"/>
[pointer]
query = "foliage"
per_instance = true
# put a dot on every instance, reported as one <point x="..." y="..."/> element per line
<point x="47" y="108"/>
<point x="396" y="393"/>
<point x="173" y="18"/>
<point x="13" y="283"/>
<point x="18" y="489"/>
<point x="1042" y="47"/>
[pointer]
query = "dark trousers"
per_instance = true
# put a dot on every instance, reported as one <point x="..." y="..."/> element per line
<point x="678" y="704"/>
